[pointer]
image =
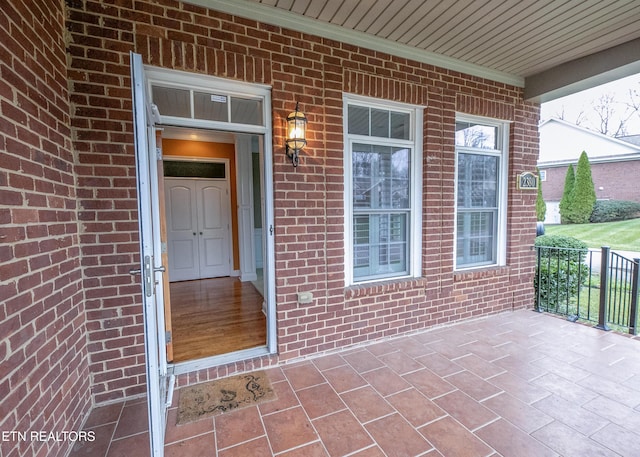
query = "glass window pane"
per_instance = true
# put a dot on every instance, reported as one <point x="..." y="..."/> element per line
<point x="210" y="107"/>
<point x="246" y="111"/>
<point x="194" y="169"/>
<point x="477" y="181"/>
<point x="473" y="135"/>
<point x="381" y="177"/>
<point x="476" y="234"/>
<point x="380" y="123"/>
<point x="172" y="102"/>
<point x="363" y="158"/>
<point x="400" y="180"/>
<point x="361" y="243"/>
<point x="400" y="126"/>
<point x="380" y="245"/>
<point x="361" y="230"/>
<point x="358" y="120"/>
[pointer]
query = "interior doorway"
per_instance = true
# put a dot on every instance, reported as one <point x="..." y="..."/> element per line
<point x="192" y="112"/>
<point x="198" y="217"/>
<point x="215" y="219"/>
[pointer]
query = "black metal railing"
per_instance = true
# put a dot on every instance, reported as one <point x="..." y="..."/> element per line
<point x="594" y="286"/>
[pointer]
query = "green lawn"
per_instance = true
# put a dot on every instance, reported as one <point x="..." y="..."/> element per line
<point x="622" y="235"/>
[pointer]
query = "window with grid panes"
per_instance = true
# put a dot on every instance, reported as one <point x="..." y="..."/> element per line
<point x="383" y="196"/>
<point x="480" y="192"/>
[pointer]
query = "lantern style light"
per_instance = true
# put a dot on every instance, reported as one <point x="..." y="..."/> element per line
<point x="296" y="134"/>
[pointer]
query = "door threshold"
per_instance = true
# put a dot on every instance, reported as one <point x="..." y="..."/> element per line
<point x="217" y="360"/>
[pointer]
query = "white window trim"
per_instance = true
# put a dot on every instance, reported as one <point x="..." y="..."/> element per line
<point x="501" y="232"/>
<point x="415" y="141"/>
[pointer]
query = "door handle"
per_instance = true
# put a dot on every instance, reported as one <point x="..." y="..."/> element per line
<point x="134" y="272"/>
<point x="148" y="274"/>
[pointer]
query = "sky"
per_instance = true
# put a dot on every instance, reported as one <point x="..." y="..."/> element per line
<point x="583" y="101"/>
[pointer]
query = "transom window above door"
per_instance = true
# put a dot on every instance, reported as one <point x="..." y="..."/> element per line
<point x="383" y="160"/>
<point x="208" y="106"/>
<point x="193" y="169"/>
<point x="196" y="101"/>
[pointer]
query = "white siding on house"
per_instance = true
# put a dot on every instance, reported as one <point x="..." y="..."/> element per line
<point x="552" y="216"/>
<point x="563" y="141"/>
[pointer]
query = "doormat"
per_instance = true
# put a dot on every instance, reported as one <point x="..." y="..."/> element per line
<point x="227" y="394"/>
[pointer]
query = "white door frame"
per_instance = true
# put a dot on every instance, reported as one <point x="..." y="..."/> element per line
<point x="244" y="185"/>
<point x="193" y="82"/>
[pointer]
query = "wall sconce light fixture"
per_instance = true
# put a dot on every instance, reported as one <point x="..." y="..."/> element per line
<point x="296" y="134"/>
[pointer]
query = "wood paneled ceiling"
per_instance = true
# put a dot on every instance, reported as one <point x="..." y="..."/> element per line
<point x="509" y="40"/>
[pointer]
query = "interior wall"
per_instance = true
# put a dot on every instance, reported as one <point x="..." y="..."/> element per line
<point x="208" y="150"/>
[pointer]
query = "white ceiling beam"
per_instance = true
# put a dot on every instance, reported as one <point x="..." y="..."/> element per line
<point x="584" y="73"/>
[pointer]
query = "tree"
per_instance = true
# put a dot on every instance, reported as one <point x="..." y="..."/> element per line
<point x="565" y="201"/>
<point x="583" y="195"/>
<point x="610" y="113"/>
<point x="610" y="118"/>
<point x="541" y="206"/>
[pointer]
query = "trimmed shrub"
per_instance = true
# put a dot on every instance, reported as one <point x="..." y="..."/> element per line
<point x="541" y="206"/>
<point x="565" y="201"/>
<point x="614" y="210"/>
<point x="560" y="270"/>
<point x="583" y="195"/>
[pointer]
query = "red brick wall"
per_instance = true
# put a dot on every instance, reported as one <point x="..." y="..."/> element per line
<point x="617" y="179"/>
<point x="309" y="201"/>
<point x="44" y="375"/>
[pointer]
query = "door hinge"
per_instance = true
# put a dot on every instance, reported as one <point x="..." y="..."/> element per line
<point x="167" y="337"/>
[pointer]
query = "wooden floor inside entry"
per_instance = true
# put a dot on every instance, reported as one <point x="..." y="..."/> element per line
<point x="215" y="316"/>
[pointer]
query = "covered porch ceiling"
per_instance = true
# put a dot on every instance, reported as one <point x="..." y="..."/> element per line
<point x="552" y="48"/>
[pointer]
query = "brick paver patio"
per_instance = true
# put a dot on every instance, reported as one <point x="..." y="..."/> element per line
<point x="517" y="384"/>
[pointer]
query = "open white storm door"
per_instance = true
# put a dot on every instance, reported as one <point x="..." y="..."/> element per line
<point x="159" y="385"/>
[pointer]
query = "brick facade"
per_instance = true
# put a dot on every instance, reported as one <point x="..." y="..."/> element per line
<point x="606" y="179"/>
<point x="309" y="202"/>
<point x="44" y="371"/>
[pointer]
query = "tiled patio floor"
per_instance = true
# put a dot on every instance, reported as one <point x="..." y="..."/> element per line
<point x="518" y="384"/>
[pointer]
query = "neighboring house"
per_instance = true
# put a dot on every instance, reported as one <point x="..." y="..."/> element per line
<point x="403" y="213"/>
<point x="615" y="164"/>
<point x="633" y="139"/>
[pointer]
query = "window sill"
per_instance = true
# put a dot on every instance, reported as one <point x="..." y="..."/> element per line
<point x="480" y="273"/>
<point x="383" y="287"/>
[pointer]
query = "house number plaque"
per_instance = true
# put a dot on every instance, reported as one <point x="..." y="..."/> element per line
<point x="527" y="180"/>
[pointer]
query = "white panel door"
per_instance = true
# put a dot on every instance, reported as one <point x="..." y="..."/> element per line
<point x="198" y="228"/>
<point x="182" y="229"/>
<point x="213" y="228"/>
